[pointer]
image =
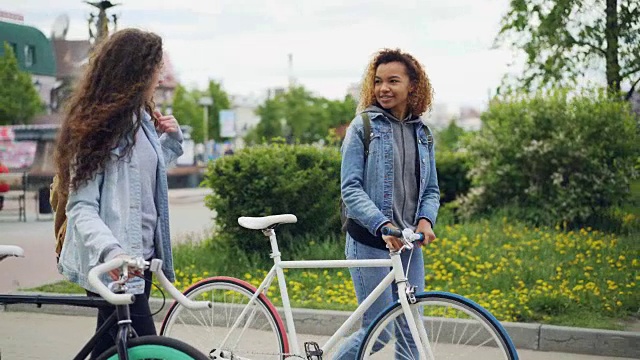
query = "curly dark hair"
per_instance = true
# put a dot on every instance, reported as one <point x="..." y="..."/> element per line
<point x="99" y="113"/>
<point x="421" y="95"/>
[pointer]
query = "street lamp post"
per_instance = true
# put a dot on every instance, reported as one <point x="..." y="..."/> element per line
<point x="205" y="101"/>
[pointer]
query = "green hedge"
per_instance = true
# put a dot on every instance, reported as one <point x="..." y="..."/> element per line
<point x="453" y="179"/>
<point x="557" y="157"/>
<point x="276" y="179"/>
<point x="299" y="179"/>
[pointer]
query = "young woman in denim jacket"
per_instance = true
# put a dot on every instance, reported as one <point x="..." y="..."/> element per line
<point x="111" y="157"/>
<point x="396" y="185"/>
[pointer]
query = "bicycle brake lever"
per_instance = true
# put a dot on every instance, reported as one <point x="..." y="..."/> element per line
<point x="407" y="235"/>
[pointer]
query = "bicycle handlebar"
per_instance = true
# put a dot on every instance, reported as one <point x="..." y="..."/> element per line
<point x="156" y="267"/>
<point x="410" y="235"/>
<point x="391" y="232"/>
<point x="126" y="299"/>
<point x="407" y="236"/>
<point x="102" y="290"/>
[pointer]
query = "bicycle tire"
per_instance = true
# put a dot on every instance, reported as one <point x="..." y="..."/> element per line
<point x="262" y="336"/>
<point x="157" y="348"/>
<point x="497" y="342"/>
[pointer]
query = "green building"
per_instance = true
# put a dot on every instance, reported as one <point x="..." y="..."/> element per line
<point x="35" y="55"/>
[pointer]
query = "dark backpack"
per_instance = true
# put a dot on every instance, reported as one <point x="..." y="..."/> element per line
<point x="367" y="139"/>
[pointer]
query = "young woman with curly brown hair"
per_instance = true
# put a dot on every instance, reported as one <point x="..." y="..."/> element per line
<point x="111" y="157"/>
<point x="394" y="185"/>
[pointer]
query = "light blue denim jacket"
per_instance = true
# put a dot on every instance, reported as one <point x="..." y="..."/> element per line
<point x="367" y="186"/>
<point x="105" y="213"/>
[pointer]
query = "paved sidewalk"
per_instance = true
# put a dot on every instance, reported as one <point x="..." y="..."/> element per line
<point x="60" y="337"/>
<point x="525" y="336"/>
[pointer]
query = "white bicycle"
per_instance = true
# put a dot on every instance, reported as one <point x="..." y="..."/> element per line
<point x="244" y="324"/>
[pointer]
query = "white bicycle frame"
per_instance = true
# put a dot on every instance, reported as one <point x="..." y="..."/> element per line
<point x="417" y="329"/>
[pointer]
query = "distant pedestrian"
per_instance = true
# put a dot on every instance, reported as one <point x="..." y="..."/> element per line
<point x="111" y="158"/>
<point x="200" y="153"/>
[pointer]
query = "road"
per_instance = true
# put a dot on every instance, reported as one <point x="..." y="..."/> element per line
<point x="188" y="215"/>
<point x="35" y="336"/>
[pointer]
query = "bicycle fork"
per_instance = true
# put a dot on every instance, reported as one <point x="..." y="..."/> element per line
<point x="125" y="330"/>
<point x="407" y="297"/>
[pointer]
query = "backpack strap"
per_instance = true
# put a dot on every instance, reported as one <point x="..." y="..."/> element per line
<point x="429" y="136"/>
<point x="366" y="122"/>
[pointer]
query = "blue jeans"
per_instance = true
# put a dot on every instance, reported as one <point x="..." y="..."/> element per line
<point x="366" y="279"/>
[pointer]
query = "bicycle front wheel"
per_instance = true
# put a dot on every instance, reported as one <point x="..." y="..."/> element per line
<point x="258" y="334"/>
<point x="157" y="348"/>
<point x="457" y="328"/>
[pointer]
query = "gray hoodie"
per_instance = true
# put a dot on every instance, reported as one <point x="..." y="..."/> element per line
<point x="405" y="159"/>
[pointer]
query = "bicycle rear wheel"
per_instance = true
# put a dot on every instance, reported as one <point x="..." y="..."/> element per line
<point x="260" y="333"/>
<point x="156" y="348"/>
<point x="457" y="328"/>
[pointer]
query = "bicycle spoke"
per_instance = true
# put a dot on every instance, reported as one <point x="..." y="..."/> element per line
<point x="439" y="331"/>
<point x="464" y="330"/>
<point x="474" y="335"/>
<point x="256" y="335"/>
<point x="407" y="349"/>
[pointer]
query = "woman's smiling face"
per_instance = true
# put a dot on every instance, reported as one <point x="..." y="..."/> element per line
<point x="392" y="86"/>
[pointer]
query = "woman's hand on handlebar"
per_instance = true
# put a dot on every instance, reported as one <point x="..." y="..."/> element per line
<point x="424" y="227"/>
<point x="393" y="242"/>
<point x="132" y="271"/>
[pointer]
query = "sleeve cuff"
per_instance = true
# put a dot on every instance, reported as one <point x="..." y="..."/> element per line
<point x="378" y="226"/>
<point x="172" y="143"/>
<point x="433" y="224"/>
<point x="111" y="253"/>
<point x="176" y="135"/>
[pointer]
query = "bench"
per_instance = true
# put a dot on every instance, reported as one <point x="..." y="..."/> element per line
<point x="17" y="192"/>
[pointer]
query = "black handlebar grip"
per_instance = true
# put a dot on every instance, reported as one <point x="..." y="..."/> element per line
<point x="391" y="232"/>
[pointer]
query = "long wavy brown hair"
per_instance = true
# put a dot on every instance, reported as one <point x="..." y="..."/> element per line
<point x="100" y="112"/>
<point x="421" y="94"/>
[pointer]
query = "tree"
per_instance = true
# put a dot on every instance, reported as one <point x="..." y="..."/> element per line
<point x="449" y="138"/>
<point x="19" y="100"/>
<point x="220" y="102"/>
<point x="188" y="112"/>
<point x="299" y="116"/>
<point x="564" y="39"/>
<point x="341" y="111"/>
<point x="271" y="121"/>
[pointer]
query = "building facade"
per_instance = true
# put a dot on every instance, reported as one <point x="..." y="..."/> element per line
<point x="34" y="53"/>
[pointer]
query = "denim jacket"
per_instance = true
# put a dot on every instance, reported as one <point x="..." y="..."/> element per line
<point x="105" y="213"/>
<point x="367" y="186"/>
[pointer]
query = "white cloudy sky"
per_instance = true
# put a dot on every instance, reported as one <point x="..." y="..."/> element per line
<point x="245" y="43"/>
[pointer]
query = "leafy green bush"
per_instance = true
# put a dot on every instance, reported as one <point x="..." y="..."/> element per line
<point x="555" y="157"/>
<point x="276" y="179"/>
<point x="453" y="176"/>
<point x="452" y="164"/>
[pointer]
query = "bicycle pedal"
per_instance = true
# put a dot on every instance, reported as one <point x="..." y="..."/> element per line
<point x="312" y="350"/>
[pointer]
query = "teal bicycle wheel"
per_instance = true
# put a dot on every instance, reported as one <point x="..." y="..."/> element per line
<point x="155" y="348"/>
